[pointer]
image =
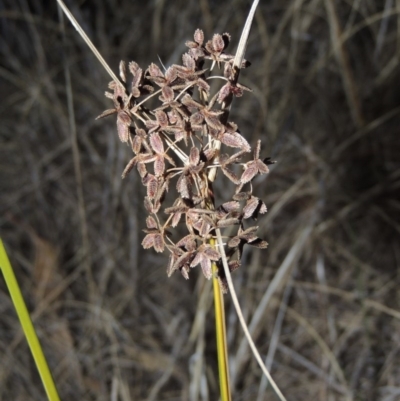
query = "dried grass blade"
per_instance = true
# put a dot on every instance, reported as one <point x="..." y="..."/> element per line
<point x="239" y="56"/>
<point x="237" y="62"/>
<point x="92" y="47"/>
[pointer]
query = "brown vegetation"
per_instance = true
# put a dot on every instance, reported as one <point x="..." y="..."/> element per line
<point x="322" y="300"/>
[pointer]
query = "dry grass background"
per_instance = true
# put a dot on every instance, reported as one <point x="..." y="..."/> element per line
<point x="323" y="300"/>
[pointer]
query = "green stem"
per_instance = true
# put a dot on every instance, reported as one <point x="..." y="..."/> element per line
<point x="27" y="326"/>
<point x="222" y="353"/>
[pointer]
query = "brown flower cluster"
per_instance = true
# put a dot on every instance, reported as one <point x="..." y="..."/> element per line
<point x="178" y="145"/>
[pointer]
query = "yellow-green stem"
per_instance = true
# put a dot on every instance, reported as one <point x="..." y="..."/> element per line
<point x="27" y="325"/>
<point x="222" y="352"/>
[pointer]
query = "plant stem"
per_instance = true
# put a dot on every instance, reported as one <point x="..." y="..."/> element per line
<point x="27" y="326"/>
<point x="223" y="367"/>
<point x="241" y="318"/>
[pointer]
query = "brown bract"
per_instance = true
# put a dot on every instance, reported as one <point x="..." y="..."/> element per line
<point x="154" y="237"/>
<point x="121" y="107"/>
<point x="205" y="254"/>
<point x="190" y="174"/>
<point x="255" y="166"/>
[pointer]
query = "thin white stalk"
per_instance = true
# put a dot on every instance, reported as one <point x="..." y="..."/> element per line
<point x="237" y="62"/>
<point x="241" y="50"/>
<point x="92" y="47"/>
<point x="176" y="149"/>
<point x="241" y="318"/>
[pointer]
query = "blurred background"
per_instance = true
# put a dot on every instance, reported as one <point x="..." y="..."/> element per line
<point x="322" y="300"/>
